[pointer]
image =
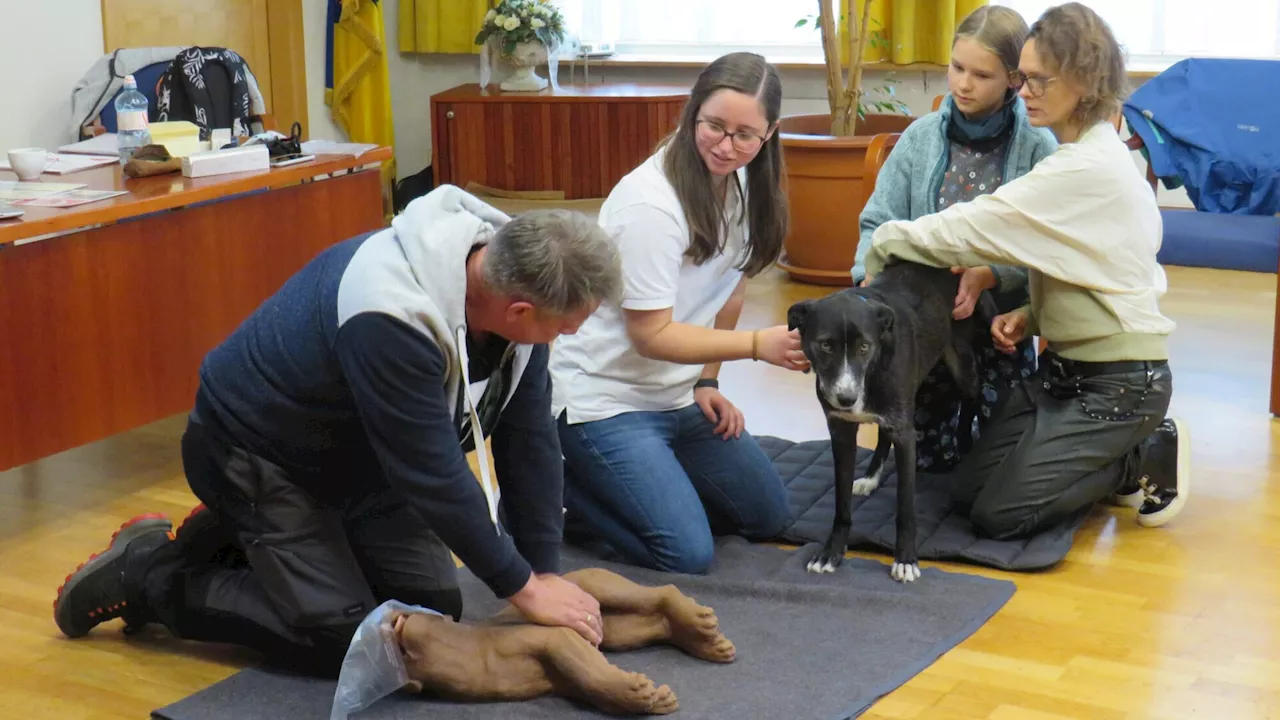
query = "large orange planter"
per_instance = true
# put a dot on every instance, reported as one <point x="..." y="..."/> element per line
<point x="826" y="193"/>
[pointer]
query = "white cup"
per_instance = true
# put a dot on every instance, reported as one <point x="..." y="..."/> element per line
<point x="28" y="163"/>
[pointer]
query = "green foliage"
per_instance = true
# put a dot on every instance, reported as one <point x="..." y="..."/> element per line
<point x="881" y="98"/>
<point x="520" y="21"/>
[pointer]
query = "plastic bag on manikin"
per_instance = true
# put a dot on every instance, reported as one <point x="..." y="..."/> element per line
<point x="373" y="667"/>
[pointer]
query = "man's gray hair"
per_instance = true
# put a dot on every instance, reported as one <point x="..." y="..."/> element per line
<point x="558" y="260"/>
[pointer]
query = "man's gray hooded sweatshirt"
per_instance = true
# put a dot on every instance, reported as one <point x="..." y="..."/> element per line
<point x="351" y="377"/>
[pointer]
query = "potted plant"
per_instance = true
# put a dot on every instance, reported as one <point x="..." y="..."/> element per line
<point x="524" y="34"/>
<point x="826" y="152"/>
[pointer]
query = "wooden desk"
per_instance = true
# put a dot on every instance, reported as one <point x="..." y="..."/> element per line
<point x="103" y="327"/>
<point x="579" y="141"/>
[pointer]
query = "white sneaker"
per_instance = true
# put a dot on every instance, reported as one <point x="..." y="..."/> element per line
<point x="1165" y="479"/>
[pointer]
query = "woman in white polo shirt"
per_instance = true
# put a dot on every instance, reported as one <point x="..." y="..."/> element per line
<point x="656" y="458"/>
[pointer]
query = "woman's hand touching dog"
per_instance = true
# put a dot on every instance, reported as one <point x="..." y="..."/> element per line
<point x="780" y="346"/>
<point x="973" y="282"/>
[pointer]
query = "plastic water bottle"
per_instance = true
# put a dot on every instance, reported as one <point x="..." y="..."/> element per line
<point x="131" y="120"/>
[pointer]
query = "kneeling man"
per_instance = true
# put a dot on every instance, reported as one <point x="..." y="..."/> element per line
<point x="327" y="444"/>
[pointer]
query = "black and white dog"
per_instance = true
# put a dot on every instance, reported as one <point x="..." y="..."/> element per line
<point x="871" y="348"/>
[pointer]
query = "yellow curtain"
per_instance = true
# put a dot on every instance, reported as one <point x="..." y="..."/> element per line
<point x="359" y="90"/>
<point x="441" y="26"/>
<point x="917" y="31"/>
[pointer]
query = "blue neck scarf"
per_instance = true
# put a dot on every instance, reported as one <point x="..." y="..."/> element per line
<point x="986" y="131"/>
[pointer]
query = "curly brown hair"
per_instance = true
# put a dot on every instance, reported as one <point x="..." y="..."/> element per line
<point x="1080" y="44"/>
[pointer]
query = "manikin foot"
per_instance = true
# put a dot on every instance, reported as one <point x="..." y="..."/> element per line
<point x="696" y="630"/>
<point x="633" y="693"/>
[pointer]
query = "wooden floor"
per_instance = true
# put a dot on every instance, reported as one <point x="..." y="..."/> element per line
<point x="1179" y="622"/>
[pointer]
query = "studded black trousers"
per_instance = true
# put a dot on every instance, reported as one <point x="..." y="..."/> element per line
<point x="1061" y="443"/>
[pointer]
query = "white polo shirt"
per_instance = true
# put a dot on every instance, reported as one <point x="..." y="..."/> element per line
<point x="597" y="373"/>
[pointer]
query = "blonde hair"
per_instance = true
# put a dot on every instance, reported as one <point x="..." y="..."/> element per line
<point x="998" y="29"/>
<point x="1080" y="43"/>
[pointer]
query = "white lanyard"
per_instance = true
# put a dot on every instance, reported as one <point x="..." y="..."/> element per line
<point x="477" y="433"/>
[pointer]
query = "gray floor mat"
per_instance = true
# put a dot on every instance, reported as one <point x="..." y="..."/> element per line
<point x="810" y="647"/>
<point x="808" y="471"/>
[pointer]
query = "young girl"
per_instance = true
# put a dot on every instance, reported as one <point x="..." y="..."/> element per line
<point x="1092" y="420"/>
<point x="656" y="458"/>
<point x="978" y="139"/>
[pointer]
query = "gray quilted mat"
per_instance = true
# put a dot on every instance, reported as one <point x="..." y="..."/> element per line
<point x="810" y="647"/>
<point x="808" y="471"/>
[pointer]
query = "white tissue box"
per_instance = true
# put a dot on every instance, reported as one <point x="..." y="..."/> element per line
<point x="245" y="158"/>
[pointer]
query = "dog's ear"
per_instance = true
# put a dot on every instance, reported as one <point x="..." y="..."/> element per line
<point x="797" y="313"/>
<point x="884" y="314"/>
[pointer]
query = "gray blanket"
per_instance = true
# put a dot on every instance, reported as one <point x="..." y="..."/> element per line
<point x="808" y="471"/>
<point x="810" y="647"/>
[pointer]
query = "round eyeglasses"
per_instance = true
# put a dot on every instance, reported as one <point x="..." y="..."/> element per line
<point x="714" y="133"/>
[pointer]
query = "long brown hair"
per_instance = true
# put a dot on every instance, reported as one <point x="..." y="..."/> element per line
<point x="1080" y="43"/>
<point x="766" y="206"/>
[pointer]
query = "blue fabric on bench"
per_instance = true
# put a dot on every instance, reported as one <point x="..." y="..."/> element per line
<point x="1217" y="240"/>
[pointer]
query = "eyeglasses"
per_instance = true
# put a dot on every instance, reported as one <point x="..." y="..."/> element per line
<point x="1035" y="84"/>
<point x="714" y="133"/>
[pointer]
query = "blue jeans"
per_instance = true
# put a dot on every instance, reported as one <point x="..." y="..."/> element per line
<point x="656" y="486"/>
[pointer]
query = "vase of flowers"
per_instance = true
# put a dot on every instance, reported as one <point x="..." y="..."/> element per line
<point x="524" y="34"/>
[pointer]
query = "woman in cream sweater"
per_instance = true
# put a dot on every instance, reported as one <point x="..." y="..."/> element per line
<point x="1091" y="423"/>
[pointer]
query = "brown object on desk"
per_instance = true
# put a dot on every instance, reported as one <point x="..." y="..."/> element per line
<point x="150" y="160"/>
<point x="103" y="329"/>
<point x="508" y="658"/>
<point x="579" y="140"/>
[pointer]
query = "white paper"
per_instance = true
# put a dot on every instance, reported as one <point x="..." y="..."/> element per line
<point x="329" y="147"/>
<point x="63" y="163"/>
<point x="104" y="144"/>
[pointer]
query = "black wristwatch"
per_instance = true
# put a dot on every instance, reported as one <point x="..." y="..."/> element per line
<point x="707" y="382"/>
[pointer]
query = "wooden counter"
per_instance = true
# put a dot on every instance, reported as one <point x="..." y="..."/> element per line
<point x="103" y="327"/>
<point x="579" y="140"/>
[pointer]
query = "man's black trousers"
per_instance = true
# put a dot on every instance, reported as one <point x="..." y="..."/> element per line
<point x="284" y="572"/>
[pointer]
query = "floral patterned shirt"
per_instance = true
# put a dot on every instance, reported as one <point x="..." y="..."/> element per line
<point x="971" y="173"/>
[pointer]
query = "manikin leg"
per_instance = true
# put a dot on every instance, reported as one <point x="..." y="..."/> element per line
<point x="506" y="658"/>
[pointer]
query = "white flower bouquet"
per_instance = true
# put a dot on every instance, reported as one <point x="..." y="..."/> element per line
<point x="524" y="34"/>
<point x="514" y="22"/>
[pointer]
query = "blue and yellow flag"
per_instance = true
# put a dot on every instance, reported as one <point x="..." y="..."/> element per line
<point x="357" y="88"/>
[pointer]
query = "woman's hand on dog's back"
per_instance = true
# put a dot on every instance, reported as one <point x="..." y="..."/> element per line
<point x="973" y="281"/>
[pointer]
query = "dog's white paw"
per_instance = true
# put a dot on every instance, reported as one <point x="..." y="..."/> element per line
<point x="905" y="572"/>
<point x="865" y="486"/>
<point x="818" y="565"/>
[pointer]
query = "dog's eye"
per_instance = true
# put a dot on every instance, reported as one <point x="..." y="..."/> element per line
<point x="864" y="348"/>
<point x="825" y="346"/>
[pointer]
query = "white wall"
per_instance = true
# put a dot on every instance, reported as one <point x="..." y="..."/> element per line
<point x="313" y="36"/>
<point x="45" y="46"/>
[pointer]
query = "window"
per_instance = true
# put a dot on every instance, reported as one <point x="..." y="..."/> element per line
<point x="1156" y="33"/>
<point x="697" y="29"/>
<point x="1160" y="32"/>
